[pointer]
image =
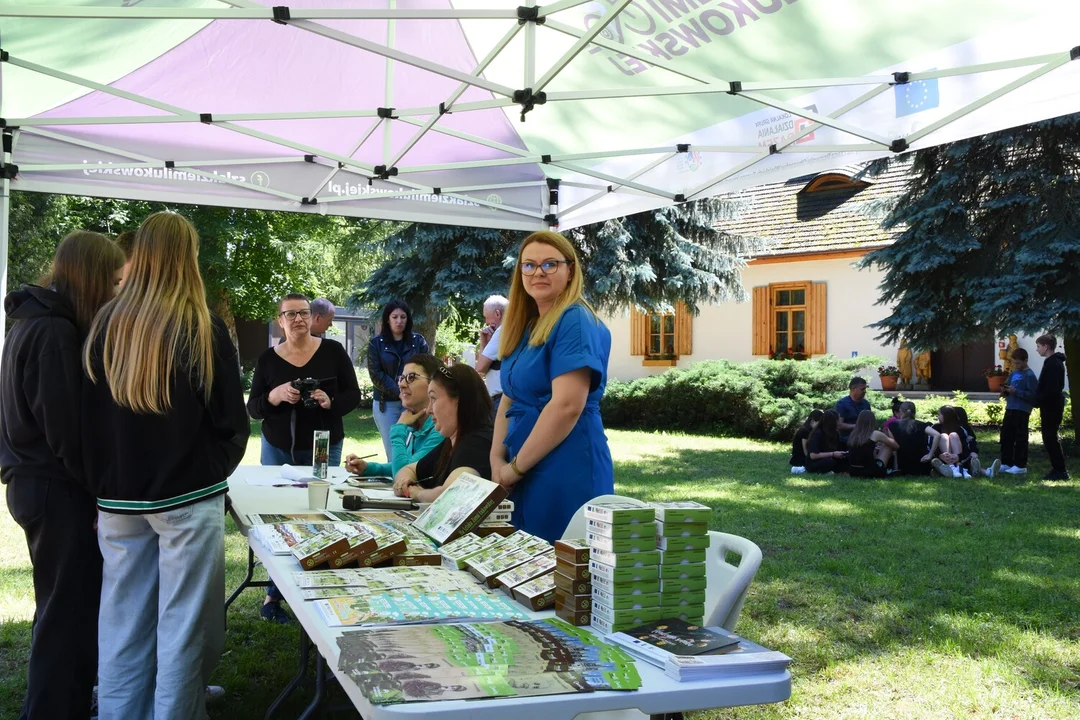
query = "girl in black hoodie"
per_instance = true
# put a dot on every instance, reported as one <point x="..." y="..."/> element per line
<point x="41" y="457"/>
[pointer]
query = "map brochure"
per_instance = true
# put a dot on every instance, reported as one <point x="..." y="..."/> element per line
<point x="461" y="507"/>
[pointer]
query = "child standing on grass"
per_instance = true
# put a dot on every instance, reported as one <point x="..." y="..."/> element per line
<point x="1020" y="396"/>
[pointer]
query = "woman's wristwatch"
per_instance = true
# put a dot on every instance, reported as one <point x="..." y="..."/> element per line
<point x="515" y="468"/>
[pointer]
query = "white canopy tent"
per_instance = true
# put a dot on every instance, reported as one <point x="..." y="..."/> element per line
<point x="485" y="113"/>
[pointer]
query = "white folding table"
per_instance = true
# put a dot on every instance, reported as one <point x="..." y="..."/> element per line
<point x="658" y="694"/>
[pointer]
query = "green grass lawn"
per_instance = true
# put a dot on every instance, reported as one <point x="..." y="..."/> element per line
<point x="896" y="598"/>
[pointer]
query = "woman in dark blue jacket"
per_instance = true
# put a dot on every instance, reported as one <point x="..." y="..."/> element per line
<point x="387" y="354"/>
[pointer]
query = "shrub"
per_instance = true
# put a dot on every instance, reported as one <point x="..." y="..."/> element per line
<point x="764" y="398"/>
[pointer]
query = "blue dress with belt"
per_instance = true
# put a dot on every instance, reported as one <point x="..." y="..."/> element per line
<point x="579" y="468"/>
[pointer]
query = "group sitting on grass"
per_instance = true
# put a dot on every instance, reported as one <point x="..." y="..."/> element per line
<point x="847" y="440"/>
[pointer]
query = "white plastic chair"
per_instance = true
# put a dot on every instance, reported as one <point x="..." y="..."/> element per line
<point x="727" y="584"/>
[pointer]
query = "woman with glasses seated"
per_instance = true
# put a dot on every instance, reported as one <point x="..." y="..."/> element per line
<point x="292" y="411"/>
<point x="549" y="445"/>
<point x="386" y="357"/>
<point x="414" y="435"/>
<point x="461" y="410"/>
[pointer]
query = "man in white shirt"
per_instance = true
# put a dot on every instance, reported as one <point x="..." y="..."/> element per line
<point x="487" y="349"/>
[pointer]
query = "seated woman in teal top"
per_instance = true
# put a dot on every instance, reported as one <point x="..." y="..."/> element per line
<point x="414" y="435"/>
<point x="549" y="446"/>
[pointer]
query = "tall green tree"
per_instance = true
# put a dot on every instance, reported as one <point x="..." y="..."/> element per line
<point x="651" y="260"/>
<point x="989" y="240"/>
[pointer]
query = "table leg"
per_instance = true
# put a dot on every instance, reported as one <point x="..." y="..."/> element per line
<point x="320" y="688"/>
<point x="246" y="583"/>
<point x="299" y="679"/>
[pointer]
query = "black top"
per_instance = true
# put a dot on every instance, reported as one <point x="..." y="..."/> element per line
<point x="862" y="456"/>
<point x="1051" y="382"/>
<point x="911" y="435"/>
<point x="972" y="441"/>
<point x="40" y="382"/>
<point x="819" y="443"/>
<point x="473" y="450"/>
<point x="141" y="463"/>
<point x="798" y="456"/>
<point x="331" y="366"/>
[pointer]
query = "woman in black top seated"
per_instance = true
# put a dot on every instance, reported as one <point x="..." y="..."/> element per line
<point x="952" y="444"/>
<point x="291" y="415"/>
<point x="461" y="408"/>
<point x="802" y="437"/>
<point x="869" y="450"/>
<point x="917" y="442"/>
<point x="823" y="449"/>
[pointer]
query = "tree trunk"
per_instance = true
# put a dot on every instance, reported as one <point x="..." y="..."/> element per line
<point x="428" y="327"/>
<point x="1071" y="346"/>
<point x="221" y="307"/>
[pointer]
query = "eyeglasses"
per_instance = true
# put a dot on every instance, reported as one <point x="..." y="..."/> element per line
<point x="548" y="267"/>
<point x="410" y="378"/>
<point x="292" y="314"/>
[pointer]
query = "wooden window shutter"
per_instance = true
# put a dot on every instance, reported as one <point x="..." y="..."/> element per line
<point x="815" y="340"/>
<point x="684" y="330"/>
<point x="761" y="323"/>
<point x="639" y="331"/>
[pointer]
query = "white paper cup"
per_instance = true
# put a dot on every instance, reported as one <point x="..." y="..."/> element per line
<point x="318" y="491"/>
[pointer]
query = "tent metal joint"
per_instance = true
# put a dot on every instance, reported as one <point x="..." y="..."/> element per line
<point x="773" y="150"/>
<point x="443" y="110"/>
<point x="1073" y="54"/>
<point x="901" y="78"/>
<point x="680" y="198"/>
<point x="552" y="220"/>
<point x="281" y="14"/>
<point x="309" y="158"/>
<point x="530" y="14"/>
<point x="3" y="55"/>
<point x="436" y="191"/>
<point x="899" y="145"/>
<point x="170" y="164"/>
<point x="528" y="100"/>
<point x="734" y="87"/>
<point x="553" y="191"/>
<point x="207" y="118"/>
<point x="385" y="173"/>
<point x="8" y="171"/>
<point x="545" y="159"/>
<point x="387" y="113"/>
<point x="682" y="148"/>
<point x="309" y="201"/>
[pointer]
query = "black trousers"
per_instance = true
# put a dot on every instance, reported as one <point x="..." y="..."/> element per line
<point x="1051" y="422"/>
<point x="1014" y="438"/>
<point x="826" y="465"/>
<point x="58" y="519"/>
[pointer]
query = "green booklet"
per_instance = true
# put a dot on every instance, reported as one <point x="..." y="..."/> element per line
<point x="461" y="507"/>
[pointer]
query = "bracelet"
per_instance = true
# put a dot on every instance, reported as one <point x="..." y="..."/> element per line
<point x="515" y="468"/>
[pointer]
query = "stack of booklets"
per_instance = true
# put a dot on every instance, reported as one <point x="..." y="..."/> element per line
<point x="690" y="652"/>
<point x="682" y="538"/>
<point x="324" y="584"/>
<point x="573" y="581"/>
<point x="460" y="509"/>
<point x="505" y="554"/>
<point x="498" y="522"/>
<point x="403" y="607"/>
<point x="624" y="563"/>
<point x="506" y="659"/>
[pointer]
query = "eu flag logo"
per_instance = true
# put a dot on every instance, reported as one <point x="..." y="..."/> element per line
<point x="914" y="97"/>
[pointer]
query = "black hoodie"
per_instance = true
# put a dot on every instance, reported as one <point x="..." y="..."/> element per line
<point x="143" y="464"/>
<point x="1051" y="382"/>
<point x="40" y="385"/>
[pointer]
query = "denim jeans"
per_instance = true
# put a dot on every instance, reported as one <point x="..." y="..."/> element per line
<point x="57" y="517"/>
<point x="384" y="420"/>
<point x="273" y="455"/>
<point x="161" y="628"/>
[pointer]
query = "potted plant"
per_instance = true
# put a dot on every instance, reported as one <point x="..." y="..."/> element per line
<point x="995" y="377"/>
<point x="888" y="374"/>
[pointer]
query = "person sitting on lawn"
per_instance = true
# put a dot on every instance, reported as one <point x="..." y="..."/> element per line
<point x="952" y="444"/>
<point x="869" y="450"/>
<point x="824" y="454"/>
<point x="414" y="435"/>
<point x="918" y="442"/>
<point x="1020" y="392"/>
<point x="850" y="406"/>
<point x="896" y="402"/>
<point x="461" y="408"/>
<point x="798" y="444"/>
<point x="972" y="463"/>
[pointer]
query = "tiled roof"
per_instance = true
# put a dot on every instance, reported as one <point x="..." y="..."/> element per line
<point x="793" y="222"/>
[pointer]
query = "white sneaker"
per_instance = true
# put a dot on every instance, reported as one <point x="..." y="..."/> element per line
<point x="1017" y="471"/>
<point x="956" y="471"/>
<point x="214" y="693"/>
<point x="966" y="474"/>
<point x="994" y="469"/>
<point x="797" y="470"/>
<point x="1005" y="468"/>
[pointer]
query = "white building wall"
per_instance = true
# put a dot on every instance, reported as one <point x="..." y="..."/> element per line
<point x="725" y="331"/>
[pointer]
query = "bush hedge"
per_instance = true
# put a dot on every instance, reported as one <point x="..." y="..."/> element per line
<point x="763" y="398"/>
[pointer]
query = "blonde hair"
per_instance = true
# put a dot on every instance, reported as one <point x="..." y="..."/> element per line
<point x="522" y="313"/>
<point x="159" y="325"/>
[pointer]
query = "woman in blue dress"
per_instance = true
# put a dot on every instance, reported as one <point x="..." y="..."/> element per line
<point x="549" y="446"/>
